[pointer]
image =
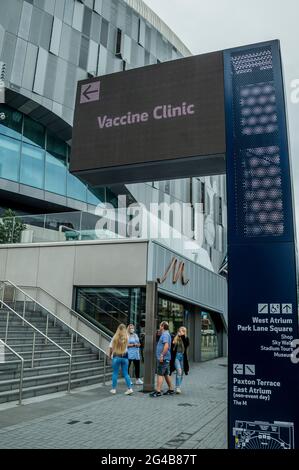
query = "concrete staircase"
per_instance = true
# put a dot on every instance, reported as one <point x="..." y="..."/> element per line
<point x="50" y="371"/>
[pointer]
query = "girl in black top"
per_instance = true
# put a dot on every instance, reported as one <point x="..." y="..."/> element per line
<point x="179" y="357"/>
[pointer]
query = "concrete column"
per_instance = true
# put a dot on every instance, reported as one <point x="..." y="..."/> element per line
<point x="150" y="336"/>
<point x="190" y="328"/>
<point x="197" y="335"/>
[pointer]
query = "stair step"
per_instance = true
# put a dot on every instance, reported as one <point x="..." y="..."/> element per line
<point x="33" y="381"/>
<point x="21" y="337"/>
<point x="13" y="395"/>
<point x="48" y="347"/>
<point x="61" y="359"/>
<point x="13" y="372"/>
<point x="26" y="355"/>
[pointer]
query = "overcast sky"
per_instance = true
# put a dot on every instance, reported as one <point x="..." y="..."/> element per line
<point x="209" y="25"/>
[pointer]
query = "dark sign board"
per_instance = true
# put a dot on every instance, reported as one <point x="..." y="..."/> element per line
<point x="262" y="297"/>
<point x="130" y="126"/>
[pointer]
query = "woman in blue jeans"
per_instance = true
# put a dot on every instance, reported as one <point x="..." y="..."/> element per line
<point x="119" y="355"/>
<point x="179" y="357"/>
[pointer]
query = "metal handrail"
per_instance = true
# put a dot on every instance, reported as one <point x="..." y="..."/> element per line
<point x="55" y="316"/>
<point x="85" y="316"/>
<point x="101" y="297"/>
<point x="100" y="308"/>
<point x="22" y="369"/>
<point x="34" y="327"/>
<point x="71" y="310"/>
<point x="34" y="336"/>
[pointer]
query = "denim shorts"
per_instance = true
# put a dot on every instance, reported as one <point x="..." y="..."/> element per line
<point x="163" y="368"/>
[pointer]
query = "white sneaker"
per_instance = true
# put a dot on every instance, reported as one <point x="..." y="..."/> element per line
<point x="139" y="382"/>
<point x="129" y="391"/>
<point x="178" y="391"/>
<point x="113" y="391"/>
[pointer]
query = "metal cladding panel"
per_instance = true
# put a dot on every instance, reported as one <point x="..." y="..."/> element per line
<point x="148" y="117"/>
<point x="205" y="288"/>
<point x="262" y="299"/>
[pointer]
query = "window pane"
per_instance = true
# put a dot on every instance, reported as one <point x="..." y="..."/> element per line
<point x="75" y="188"/>
<point x="12" y="125"/>
<point x="55" y="178"/>
<point x="95" y="196"/>
<point x="34" y="133"/>
<point x="83" y="53"/>
<point x="104" y="33"/>
<point x="86" y="21"/>
<point x="9" y="158"/>
<point x="56" y="146"/>
<point x="32" y="166"/>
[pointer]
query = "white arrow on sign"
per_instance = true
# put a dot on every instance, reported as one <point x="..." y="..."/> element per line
<point x="238" y="369"/>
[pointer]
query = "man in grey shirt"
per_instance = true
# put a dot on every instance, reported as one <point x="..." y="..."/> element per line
<point x="163" y="356"/>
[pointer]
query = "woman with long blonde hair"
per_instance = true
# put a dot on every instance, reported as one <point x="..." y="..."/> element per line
<point x="179" y="358"/>
<point x="119" y="354"/>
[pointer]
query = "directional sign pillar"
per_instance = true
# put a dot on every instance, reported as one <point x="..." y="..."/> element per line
<point x="263" y="387"/>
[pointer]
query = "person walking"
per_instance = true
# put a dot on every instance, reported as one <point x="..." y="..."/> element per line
<point x="179" y="357"/>
<point x="163" y="356"/>
<point x="119" y="354"/>
<point x="134" y="352"/>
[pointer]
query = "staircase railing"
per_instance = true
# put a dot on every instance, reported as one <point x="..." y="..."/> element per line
<point x="21" y="359"/>
<point x="114" y="321"/>
<point x="10" y="313"/>
<point x="18" y="294"/>
<point x="70" y="317"/>
<point x="103" y="299"/>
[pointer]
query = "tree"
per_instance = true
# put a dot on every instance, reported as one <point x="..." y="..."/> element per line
<point x="11" y="227"/>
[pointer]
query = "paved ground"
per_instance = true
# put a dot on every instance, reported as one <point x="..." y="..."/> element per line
<point x="93" y="419"/>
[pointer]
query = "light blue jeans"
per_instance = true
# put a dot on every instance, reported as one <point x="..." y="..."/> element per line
<point x="179" y="367"/>
<point x="122" y="362"/>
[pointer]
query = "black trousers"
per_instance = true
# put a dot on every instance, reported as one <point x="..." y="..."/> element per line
<point x="136" y="367"/>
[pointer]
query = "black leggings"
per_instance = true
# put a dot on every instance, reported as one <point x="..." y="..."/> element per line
<point x="136" y="367"/>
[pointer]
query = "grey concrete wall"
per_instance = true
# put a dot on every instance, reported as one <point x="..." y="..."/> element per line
<point x="58" y="267"/>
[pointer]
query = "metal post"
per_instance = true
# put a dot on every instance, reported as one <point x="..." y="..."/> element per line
<point x="33" y="351"/>
<point x="105" y="361"/>
<point x="14" y="298"/>
<point x="6" y="330"/>
<point x="21" y="382"/>
<point x="70" y="365"/>
<point x="150" y="336"/>
<point x="24" y="310"/>
<point x="77" y="327"/>
<point x="3" y="290"/>
<point x="47" y="328"/>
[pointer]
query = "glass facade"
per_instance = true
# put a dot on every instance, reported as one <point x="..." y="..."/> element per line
<point x="31" y="155"/>
<point x="209" y="339"/>
<point x="107" y="307"/>
<point x="172" y="312"/>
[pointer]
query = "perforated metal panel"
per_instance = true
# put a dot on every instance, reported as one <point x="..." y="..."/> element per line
<point x="258" y="180"/>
